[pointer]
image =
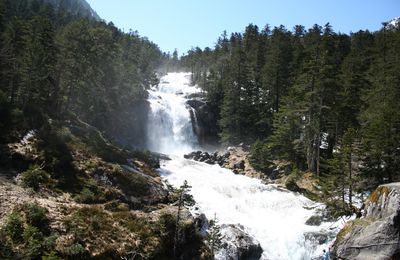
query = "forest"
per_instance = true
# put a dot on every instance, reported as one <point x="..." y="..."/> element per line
<point x="73" y="125"/>
<point x="56" y="61"/>
<point x="317" y="100"/>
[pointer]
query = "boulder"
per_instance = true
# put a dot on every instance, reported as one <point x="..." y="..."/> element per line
<point x="209" y="158"/>
<point x="201" y="223"/>
<point x="238" y="244"/>
<point x="198" y="95"/>
<point x="314" y="220"/>
<point x="239" y="165"/>
<point x="195" y="103"/>
<point x="319" y="237"/>
<point x="376" y="235"/>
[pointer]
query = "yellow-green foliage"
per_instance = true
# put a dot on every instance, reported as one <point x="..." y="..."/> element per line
<point x="378" y="193"/>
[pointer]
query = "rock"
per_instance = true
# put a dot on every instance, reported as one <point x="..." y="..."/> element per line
<point x="193" y="155"/>
<point x="161" y="156"/>
<point x="231" y="149"/>
<point x="204" y="156"/>
<point x="319" y="237"/>
<point x="209" y="161"/>
<point x="199" y="95"/>
<point x="376" y="234"/>
<point x="237" y="244"/>
<point x="292" y="186"/>
<point x="239" y="165"/>
<point x="209" y="158"/>
<point x="226" y="155"/>
<point x="274" y="174"/>
<point x="195" y="103"/>
<point x="202" y="224"/>
<point x="204" y="121"/>
<point x="314" y="220"/>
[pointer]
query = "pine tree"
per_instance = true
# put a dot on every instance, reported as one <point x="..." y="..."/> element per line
<point x="184" y="199"/>
<point x="381" y="118"/>
<point x="214" y="237"/>
<point x="13" y="58"/>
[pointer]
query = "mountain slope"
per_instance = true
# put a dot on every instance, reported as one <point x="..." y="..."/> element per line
<point x="80" y="7"/>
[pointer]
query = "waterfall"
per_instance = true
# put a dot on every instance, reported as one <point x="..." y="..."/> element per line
<point x="170" y="128"/>
<point x="274" y="217"/>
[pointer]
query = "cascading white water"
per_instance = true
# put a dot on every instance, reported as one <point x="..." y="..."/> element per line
<point x="274" y="217"/>
<point x="170" y="129"/>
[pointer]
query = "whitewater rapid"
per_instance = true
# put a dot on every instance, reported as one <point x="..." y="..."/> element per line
<point x="274" y="217"/>
<point x="170" y="128"/>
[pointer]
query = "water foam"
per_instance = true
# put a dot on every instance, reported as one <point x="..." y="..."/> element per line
<point x="276" y="218"/>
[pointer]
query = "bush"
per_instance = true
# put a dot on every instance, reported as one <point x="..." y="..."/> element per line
<point x="33" y="239"/>
<point x="74" y="250"/>
<point x="37" y="216"/>
<point x="146" y="156"/>
<point x="34" y="177"/>
<point x="64" y="134"/>
<point x="14" y="227"/>
<point x="28" y="229"/>
<point x="6" y="249"/>
<point x="85" y="196"/>
<point x="51" y="256"/>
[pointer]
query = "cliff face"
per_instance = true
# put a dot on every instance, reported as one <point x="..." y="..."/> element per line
<point x="376" y="235"/>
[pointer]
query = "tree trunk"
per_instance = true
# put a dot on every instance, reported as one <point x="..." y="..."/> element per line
<point x="350" y="181"/>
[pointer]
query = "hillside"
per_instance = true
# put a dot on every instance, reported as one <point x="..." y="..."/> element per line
<point x="77" y="7"/>
<point x="67" y="192"/>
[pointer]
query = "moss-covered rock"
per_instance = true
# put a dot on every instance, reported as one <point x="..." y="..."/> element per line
<point x="376" y="234"/>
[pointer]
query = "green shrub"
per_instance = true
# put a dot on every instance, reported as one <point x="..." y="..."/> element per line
<point x="33" y="240"/>
<point x="74" y="250"/>
<point x="51" y="256"/>
<point x="85" y="196"/>
<point x="34" y="177"/>
<point x="6" y="249"/>
<point x="147" y="157"/>
<point x="64" y="134"/>
<point x="116" y="206"/>
<point x="132" y="183"/>
<point x="14" y="227"/>
<point x="36" y="216"/>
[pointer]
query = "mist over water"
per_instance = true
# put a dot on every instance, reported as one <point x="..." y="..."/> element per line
<point x="274" y="217"/>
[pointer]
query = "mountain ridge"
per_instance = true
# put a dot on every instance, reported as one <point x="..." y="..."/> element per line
<point x="81" y="7"/>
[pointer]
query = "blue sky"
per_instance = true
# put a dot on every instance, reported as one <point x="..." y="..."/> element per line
<point x="183" y="24"/>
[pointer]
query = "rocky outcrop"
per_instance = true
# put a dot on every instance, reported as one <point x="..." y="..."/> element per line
<point x="376" y="235"/>
<point x="210" y="158"/>
<point x="233" y="158"/>
<point x="237" y="244"/>
<point x="204" y="121"/>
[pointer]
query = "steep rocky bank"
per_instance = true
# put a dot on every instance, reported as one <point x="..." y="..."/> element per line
<point x="376" y="235"/>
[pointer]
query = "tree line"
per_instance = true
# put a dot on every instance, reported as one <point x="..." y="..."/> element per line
<point x="56" y="61"/>
<point x="324" y="102"/>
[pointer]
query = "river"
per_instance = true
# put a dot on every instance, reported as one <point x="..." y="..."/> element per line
<point x="274" y="217"/>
